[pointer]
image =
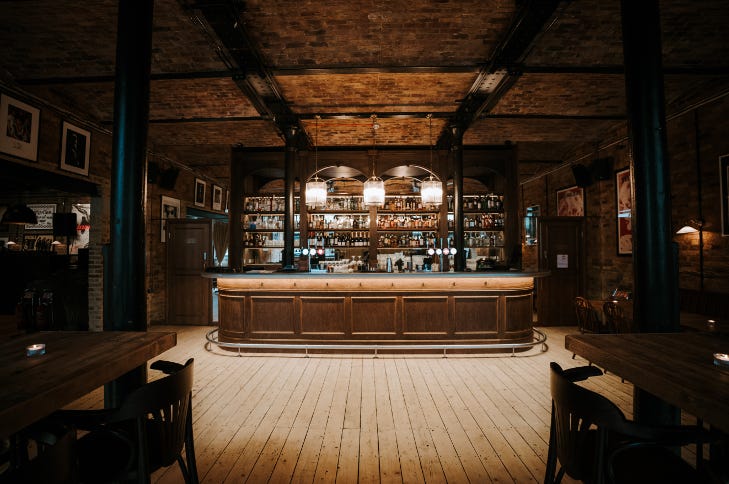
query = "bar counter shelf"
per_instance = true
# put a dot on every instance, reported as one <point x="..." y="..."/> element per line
<point x="397" y="309"/>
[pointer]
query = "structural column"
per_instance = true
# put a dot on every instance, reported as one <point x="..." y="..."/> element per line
<point x="235" y="213"/>
<point x="655" y="279"/>
<point x="459" y="261"/>
<point x="125" y="299"/>
<point x="291" y="135"/>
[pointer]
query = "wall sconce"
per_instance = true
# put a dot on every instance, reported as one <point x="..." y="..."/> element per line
<point x="690" y="226"/>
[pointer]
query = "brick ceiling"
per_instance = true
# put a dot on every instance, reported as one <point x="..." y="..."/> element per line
<point x="345" y="61"/>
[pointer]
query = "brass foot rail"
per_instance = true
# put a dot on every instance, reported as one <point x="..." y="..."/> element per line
<point x="212" y="338"/>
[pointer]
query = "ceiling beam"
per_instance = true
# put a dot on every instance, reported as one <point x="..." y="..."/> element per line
<point x="221" y="22"/>
<point x="325" y="71"/>
<point x="498" y="76"/>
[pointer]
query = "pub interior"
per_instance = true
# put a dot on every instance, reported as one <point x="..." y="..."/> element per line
<point x="368" y="186"/>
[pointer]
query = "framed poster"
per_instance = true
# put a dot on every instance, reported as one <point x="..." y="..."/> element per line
<point x="19" y="128"/>
<point x="200" y="188"/>
<point x="75" y="149"/>
<point x="170" y="209"/>
<point x="44" y="212"/>
<point x="217" y="197"/>
<point x="571" y="202"/>
<point x="724" y="181"/>
<point x="624" y="208"/>
<point x="83" y="226"/>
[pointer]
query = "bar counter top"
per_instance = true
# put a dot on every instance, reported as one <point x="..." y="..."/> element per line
<point x="306" y="275"/>
<point x="368" y="307"/>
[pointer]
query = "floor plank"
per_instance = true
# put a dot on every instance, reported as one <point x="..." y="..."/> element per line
<point x="347" y="419"/>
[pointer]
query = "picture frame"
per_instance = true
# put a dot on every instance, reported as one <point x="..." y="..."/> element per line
<point x="724" y="188"/>
<point x="19" y="124"/>
<point x="624" y="211"/>
<point x="44" y="213"/>
<point x="75" y="149"/>
<point x="217" y="197"/>
<point x="169" y="209"/>
<point x="200" y="189"/>
<point x="571" y="202"/>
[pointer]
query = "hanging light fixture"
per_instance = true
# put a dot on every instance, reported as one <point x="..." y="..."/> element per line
<point x="431" y="191"/>
<point x="316" y="188"/>
<point x="19" y="214"/>
<point x="374" y="187"/>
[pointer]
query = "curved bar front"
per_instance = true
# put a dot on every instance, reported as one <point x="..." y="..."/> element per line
<point x="375" y="308"/>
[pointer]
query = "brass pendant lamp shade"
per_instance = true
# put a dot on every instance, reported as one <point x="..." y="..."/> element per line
<point x="19" y="214"/>
<point x="374" y="187"/>
<point x="431" y="191"/>
<point x="316" y="188"/>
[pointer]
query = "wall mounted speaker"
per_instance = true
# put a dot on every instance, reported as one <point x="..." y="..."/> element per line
<point x="582" y="175"/>
<point x="168" y="178"/>
<point x="64" y="224"/>
<point x="602" y="168"/>
<point x="153" y="171"/>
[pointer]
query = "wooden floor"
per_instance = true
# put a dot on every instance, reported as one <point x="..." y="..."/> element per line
<point x="360" y="419"/>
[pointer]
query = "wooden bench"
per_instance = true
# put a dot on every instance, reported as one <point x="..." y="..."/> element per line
<point x="697" y="307"/>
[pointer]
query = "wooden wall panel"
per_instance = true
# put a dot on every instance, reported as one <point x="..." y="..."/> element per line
<point x="231" y="310"/>
<point x="322" y="315"/>
<point x="476" y="314"/>
<point x="425" y="315"/>
<point x="519" y="313"/>
<point x="374" y="315"/>
<point x="272" y="314"/>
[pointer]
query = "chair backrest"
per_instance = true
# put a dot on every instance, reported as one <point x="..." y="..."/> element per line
<point x="582" y="419"/>
<point x="586" y="316"/>
<point x="160" y="409"/>
<point x="55" y="460"/>
<point x="615" y="317"/>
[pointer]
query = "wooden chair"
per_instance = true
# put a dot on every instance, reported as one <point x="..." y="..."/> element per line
<point x="147" y="432"/>
<point x="46" y="454"/>
<point x="587" y="320"/>
<point x="615" y="318"/>
<point x="595" y="443"/>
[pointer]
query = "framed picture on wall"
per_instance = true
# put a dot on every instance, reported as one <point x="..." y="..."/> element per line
<point x="170" y="209"/>
<point x="724" y="181"/>
<point x="200" y="189"/>
<point x="571" y="202"/>
<point x="44" y="213"/>
<point x="75" y="149"/>
<point x="217" y="197"/>
<point x="624" y="208"/>
<point x="19" y="128"/>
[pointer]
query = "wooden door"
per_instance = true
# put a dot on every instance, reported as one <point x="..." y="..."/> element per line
<point x="561" y="252"/>
<point x="189" y="252"/>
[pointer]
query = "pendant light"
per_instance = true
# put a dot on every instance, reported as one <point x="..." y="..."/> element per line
<point x="374" y="187"/>
<point x="316" y="188"/>
<point x="431" y="191"/>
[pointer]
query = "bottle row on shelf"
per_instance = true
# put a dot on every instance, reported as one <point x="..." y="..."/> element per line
<point x="394" y="203"/>
<point x="480" y="203"/>
<point x="338" y="222"/>
<point x="488" y="221"/>
<point x="409" y="221"/>
<point x="483" y="239"/>
<point x="339" y="239"/>
<point x="409" y="240"/>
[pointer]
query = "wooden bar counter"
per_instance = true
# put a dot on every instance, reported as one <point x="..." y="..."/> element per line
<point x="380" y="308"/>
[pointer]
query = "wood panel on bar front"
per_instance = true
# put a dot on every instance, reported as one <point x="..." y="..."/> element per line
<point x="375" y="308"/>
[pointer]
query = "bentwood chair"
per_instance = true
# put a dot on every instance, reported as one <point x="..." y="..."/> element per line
<point x="595" y="443"/>
<point x="615" y="318"/>
<point x="45" y="454"/>
<point x="587" y="320"/>
<point x="145" y="433"/>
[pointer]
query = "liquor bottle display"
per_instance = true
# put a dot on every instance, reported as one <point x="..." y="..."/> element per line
<point x="403" y="224"/>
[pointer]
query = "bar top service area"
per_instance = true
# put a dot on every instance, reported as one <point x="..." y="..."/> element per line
<point x="376" y="308"/>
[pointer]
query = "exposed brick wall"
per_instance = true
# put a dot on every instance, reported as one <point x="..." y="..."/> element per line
<point x="605" y="269"/>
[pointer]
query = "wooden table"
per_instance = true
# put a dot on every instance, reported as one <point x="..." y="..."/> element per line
<point x="75" y="363"/>
<point x="676" y="367"/>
